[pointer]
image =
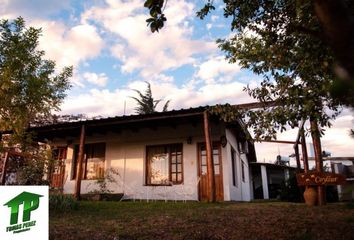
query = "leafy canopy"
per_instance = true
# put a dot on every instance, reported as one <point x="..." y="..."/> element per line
<point x="281" y="41"/>
<point x="30" y="87"/>
<point x="146" y="103"/>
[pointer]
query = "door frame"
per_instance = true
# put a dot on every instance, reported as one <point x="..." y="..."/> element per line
<point x="57" y="179"/>
<point x="219" y="189"/>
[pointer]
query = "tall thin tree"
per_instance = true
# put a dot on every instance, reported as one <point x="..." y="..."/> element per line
<point x="146" y="103"/>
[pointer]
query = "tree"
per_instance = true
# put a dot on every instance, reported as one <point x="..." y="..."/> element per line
<point x="30" y="86"/>
<point x="285" y="42"/>
<point x="282" y="41"/>
<point x="146" y="103"/>
<point x="330" y="23"/>
<point x="30" y="89"/>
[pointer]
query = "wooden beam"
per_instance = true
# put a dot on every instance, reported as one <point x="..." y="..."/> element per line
<point x="4" y="167"/>
<point x="335" y="158"/>
<point x="79" y="164"/>
<point x="304" y="151"/>
<point x="256" y="105"/>
<point x="278" y="141"/>
<point x="210" y="161"/>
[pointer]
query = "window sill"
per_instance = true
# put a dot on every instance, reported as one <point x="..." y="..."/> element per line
<point x="159" y="185"/>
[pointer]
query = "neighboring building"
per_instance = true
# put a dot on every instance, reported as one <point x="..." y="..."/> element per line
<point x="267" y="179"/>
<point x="345" y="166"/>
<point x="157" y="156"/>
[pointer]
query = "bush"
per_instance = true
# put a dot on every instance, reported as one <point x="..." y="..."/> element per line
<point x="62" y="203"/>
<point x="290" y="191"/>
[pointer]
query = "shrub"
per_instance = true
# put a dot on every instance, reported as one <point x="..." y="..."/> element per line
<point x="290" y="191"/>
<point x="62" y="202"/>
<point x="102" y="183"/>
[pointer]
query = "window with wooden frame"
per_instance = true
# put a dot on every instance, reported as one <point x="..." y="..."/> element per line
<point x="216" y="158"/>
<point x="164" y="164"/>
<point x="234" y="167"/>
<point x="93" y="162"/>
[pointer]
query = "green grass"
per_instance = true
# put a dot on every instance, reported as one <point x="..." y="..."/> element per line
<point x="192" y="220"/>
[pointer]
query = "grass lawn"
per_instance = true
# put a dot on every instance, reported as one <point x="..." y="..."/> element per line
<point x="160" y="220"/>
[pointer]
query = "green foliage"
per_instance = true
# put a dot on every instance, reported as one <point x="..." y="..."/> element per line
<point x="146" y="103"/>
<point x="279" y="40"/>
<point x="62" y="203"/>
<point x="331" y="194"/>
<point x="109" y="178"/>
<point x="290" y="191"/>
<point x="30" y="87"/>
<point x="157" y="19"/>
<point x="32" y="166"/>
<point x="349" y="205"/>
<point x="32" y="173"/>
<point x="208" y="7"/>
<point x="283" y="41"/>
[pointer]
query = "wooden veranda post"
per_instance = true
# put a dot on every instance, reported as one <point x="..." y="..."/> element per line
<point x="3" y="173"/>
<point x="315" y="134"/>
<point x="304" y="151"/>
<point x="79" y="164"/>
<point x="210" y="161"/>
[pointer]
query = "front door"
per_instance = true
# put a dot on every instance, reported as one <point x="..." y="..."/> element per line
<point x="57" y="178"/>
<point x="202" y="172"/>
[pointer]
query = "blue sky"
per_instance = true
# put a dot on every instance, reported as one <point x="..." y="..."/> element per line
<point x="113" y="51"/>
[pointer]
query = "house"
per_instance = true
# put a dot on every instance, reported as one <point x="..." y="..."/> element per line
<point x="164" y="155"/>
<point x="267" y="179"/>
<point x="345" y="166"/>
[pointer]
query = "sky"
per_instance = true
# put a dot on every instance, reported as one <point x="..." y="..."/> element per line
<point x="113" y="52"/>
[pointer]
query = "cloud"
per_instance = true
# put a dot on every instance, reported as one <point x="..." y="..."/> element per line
<point x="100" y="102"/>
<point x="28" y="9"/>
<point x="137" y="48"/>
<point x="69" y="45"/>
<point x="336" y="140"/>
<point x="111" y="102"/>
<point x="97" y="79"/>
<point x="217" y="69"/>
<point x="214" y="18"/>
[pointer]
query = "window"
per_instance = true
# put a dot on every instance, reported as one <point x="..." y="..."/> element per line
<point x="243" y="171"/>
<point x="234" y="167"/>
<point x="164" y="164"/>
<point x="216" y="159"/>
<point x="93" y="162"/>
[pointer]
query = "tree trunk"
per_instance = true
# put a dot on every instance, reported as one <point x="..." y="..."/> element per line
<point x="298" y="164"/>
<point x="316" y="140"/>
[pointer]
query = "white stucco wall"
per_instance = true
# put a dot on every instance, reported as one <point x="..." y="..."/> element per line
<point x="241" y="192"/>
<point x="126" y="152"/>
